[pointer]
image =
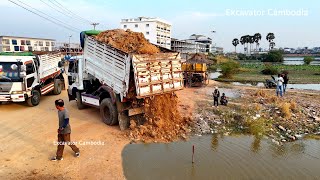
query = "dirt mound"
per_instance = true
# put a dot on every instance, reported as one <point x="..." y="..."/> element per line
<point x="163" y="121"/>
<point x="127" y="41"/>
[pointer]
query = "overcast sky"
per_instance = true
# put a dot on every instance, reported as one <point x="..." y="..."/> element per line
<point x="229" y="18"/>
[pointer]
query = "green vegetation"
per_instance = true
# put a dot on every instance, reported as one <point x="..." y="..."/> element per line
<point x="308" y="60"/>
<point x="298" y="74"/>
<point x="229" y="68"/>
<point x="273" y="56"/>
<point x="16" y="54"/>
<point x="269" y="69"/>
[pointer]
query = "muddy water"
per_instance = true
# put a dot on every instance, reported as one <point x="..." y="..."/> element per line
<point x="242" y="157"/>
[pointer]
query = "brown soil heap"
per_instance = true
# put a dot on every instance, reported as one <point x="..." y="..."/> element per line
<point x="163" y="121"/>
<point x="127" y="41"/>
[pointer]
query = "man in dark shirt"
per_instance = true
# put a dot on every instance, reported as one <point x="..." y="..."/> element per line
<point x="216" y="95"/>
<point x="285" y="82"/>
<point x="64" y="131"/>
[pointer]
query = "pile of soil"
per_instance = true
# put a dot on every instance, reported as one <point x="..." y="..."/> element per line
<point x="127" y="41"/>
<point x="163" y="121"/>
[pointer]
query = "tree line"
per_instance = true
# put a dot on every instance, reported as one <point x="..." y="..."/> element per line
<point x="250" y="40"/>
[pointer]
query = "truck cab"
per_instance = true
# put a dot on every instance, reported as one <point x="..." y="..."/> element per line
<point x="18" y="74"/>
<point x="22" y="78"/>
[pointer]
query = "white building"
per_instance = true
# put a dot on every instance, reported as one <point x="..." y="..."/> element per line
<point x="187" y="46"/>
<point x="20" y="44"/>
<point x="155" y="30"/>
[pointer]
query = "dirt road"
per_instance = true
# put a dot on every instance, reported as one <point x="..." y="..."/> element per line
<point x="27" y="136"/>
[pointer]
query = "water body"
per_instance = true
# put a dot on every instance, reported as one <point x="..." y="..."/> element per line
<point x="299" y="61"/>
<point x="218" y="157"/>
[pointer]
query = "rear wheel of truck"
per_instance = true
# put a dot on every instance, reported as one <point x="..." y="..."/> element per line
<point x="108" y="112"/>
<point x="34" y="100"/>
<point x="80" y="105"/>
<point x="57" y="87"/>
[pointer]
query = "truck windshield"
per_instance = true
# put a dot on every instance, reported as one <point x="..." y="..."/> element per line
<point x="9" y="72"/>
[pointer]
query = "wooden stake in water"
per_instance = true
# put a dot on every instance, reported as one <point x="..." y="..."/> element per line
<point x="192" y="153"/>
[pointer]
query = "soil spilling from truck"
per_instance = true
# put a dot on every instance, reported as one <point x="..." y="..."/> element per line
<point x="127" y="41"/>
<point x="163" y="122"/>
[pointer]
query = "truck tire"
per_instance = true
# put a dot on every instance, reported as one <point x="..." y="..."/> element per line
<point x="34" y="100"/>
<point x="108" y="112"/>
<point x="57" y="87"/>
<point x="80" y="105"/>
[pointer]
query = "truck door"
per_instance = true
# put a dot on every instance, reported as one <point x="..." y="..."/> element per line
<point x="31" y="78"/>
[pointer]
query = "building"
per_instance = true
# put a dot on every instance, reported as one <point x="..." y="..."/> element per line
<point x="155" y="30"/>
<point x="187" y="46"/>
<point x="72" y="48"/>
<point x="195" y="44"/>
<point x="202" y="39"/>
<point x="20" y="44"/>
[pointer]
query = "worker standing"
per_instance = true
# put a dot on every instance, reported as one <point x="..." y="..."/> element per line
<point x="216" y="95"/>
<point x="64" y="131"/>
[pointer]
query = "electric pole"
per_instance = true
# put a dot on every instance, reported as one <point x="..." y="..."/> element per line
<point x="94" y="25"/>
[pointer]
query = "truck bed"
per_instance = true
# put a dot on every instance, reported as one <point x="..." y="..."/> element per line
<point x="153" y="74"/>
<point x="49" y="64"/>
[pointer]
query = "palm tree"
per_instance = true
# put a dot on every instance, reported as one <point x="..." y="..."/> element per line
<point x="257" y="38"/>
<point x="272" y="45"/>
<point x="235" y="42"/>
<point x="251" y="41"/>
<point x="243" y="42"/>
<point x="270" y="37"/>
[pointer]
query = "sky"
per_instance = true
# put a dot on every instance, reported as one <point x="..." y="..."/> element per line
<point x="297" y="24"/>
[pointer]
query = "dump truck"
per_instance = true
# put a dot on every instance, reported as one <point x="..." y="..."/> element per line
<point x="117" y="82"/>
<point x="195" y="74"/>
<point x="25" y="77"/>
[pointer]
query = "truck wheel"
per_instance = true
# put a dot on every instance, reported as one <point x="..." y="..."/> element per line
<point x="80" y="105"/>
<point x="108" y="112"/>
<point x="57" y="87"/>
<point x="34" y="100"/>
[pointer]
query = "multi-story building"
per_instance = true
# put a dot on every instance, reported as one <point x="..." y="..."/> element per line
<point x="68" y="48"/>
<point x="202" y="39"/>
<point x="20" y="44"/>
<point x="187" y="46"/>
<point x="155" y="30"/>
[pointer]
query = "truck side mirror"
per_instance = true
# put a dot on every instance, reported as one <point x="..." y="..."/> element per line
<point x="23" y="68"/>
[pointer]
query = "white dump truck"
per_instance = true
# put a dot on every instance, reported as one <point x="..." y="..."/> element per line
<point x="118" y="82"/>
<point x="26" y="76"/>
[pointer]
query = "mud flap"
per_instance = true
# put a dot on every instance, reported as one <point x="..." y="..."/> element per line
<point x="124" y="121"/>
<point x="71" y="96"/>
<point x="123" y="118"/>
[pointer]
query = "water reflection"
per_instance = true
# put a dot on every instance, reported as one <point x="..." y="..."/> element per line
<point x="256" y="144"/>
<point x="214" y="142"/>
<point x="223" y="157"/>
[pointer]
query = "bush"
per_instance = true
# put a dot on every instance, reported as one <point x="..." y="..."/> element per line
<point x="285" y="110"/>
<point x="229" y="68"/>
<point x="308" y="60"/>
<point x="273" y="56"/>
<point x="269" y="70"/>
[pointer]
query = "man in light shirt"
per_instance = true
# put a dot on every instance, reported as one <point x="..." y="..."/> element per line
<point x="279" y="81"/>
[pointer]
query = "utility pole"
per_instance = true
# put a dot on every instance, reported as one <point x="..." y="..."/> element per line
<point x="69" y="43"/>
<point x="94" y="25"/>
<point x="212" y="41"/>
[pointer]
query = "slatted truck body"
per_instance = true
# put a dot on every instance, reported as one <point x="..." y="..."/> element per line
<point x="118" y="82"/>
<point x="28" y="77"/>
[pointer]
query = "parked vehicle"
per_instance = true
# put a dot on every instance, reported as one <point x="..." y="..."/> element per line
<point x="27" y="76"/>
<point x="117" y="82"/>
<point x="271" y="83"/>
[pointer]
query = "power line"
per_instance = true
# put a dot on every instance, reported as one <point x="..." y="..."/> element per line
<point x="42" y="16"/>
<point x="68" y="11"/>
<point x="48" y="15"/>
<point x="57" y="9"/>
